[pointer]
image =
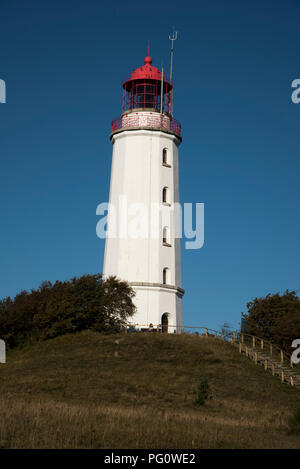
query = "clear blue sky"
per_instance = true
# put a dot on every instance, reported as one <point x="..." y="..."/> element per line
<point x="63" y="62"/>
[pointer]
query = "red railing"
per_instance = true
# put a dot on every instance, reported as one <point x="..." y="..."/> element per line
<point x="140" y="120"/>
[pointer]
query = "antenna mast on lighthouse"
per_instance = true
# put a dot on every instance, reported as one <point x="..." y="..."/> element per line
<point x="172" y="38"/>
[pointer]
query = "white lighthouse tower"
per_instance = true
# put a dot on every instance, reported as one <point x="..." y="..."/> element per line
<point x="144" y="175"/>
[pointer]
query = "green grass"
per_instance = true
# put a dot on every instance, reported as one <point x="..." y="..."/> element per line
<point x="88" y="391"/>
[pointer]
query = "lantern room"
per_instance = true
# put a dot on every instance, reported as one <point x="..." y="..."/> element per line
<point x="147" y="89"/>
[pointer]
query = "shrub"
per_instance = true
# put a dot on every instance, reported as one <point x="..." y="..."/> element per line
<point x="202" y="391"/>
<point x="88" y="302"/>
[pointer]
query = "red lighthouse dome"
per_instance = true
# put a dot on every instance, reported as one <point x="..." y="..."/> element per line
<point x="147" y="72"/>
<point x="147" y="89"/>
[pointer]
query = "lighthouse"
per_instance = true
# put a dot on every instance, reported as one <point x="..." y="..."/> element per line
<point x="144" y="176"/>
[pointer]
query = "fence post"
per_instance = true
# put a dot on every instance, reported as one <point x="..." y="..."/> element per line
<point x="266" y="365"/>
<point x="206" y="332"/>
<point x="240" y="347"/>
<point x="282" y="376"/>
<point x="291" y="362"/>
<point x="271" y="350"/>
<point x="255" y="358"/>
<point x="261" y="344"/>
<point x="292" y="381"/>
<point x="281" y="356"/>
<point x="273" y="369"/>
<point x="215" y="333"/>
<point x="246" y="351"/>
<point x="242" y="338"/>
<point x="253" y="342"/>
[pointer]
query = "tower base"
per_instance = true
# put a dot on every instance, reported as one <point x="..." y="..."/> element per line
<point x="158" y="306"/>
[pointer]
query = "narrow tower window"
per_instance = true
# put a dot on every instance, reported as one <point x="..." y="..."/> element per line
<point x="165" y="195"/>
<point x="165" y="156"/>
<point x="166" y="276"/>
<point x="166" y="236"/>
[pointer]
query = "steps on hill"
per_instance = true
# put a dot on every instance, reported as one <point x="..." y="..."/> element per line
<point x="278" y="368"/>
<point x="281" y="370"/>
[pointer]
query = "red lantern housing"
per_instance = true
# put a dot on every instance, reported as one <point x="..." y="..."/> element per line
<point x="145" y="88"/>
<point x="147" y="102"/>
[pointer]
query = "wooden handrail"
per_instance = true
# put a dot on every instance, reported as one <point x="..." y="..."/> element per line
<point x="263" y="342"/>
<point x="234" y="337"/>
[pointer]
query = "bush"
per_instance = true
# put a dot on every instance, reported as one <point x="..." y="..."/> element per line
<point x="88" y="302"/>
<point x="202" y="391"/>
<point x="294" y="420"/>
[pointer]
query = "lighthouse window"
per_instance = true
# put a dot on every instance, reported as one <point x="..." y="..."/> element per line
<point x="166" y="276"/>
<point x="165" y="195"/>
<point x="143" y="95"/>
<point x="166" y="236"/>
<point x="165" y="157"/>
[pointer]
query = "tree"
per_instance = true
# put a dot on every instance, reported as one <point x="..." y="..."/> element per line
<point x="88" y="302"/>
<point x="275" y="318"/>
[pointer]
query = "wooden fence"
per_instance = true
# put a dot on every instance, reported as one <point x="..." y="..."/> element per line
<point x="252" y="346"/>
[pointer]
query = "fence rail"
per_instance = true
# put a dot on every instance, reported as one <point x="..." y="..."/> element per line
<point x="259" y="344"/>
<point x="249" y="344"/>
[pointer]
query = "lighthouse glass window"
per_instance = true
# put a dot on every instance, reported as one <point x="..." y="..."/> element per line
<point x="144" y="96"/>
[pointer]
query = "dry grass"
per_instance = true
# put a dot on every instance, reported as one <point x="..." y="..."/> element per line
<point x="76" y="392"/>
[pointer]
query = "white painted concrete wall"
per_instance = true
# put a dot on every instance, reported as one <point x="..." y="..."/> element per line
<point x="138" y="173"/>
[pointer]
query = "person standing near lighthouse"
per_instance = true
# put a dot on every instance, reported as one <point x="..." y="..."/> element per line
<point x="145" y="141"/>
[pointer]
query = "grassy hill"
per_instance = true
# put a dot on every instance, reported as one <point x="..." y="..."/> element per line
<point x="91" y="390"/>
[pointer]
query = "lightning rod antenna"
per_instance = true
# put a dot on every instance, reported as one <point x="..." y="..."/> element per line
<point x="172" y="38"/>
<point x="162" y="89"/>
